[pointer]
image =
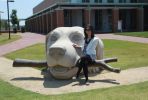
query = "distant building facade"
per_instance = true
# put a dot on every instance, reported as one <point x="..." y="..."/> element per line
<point x="103" y="15"/>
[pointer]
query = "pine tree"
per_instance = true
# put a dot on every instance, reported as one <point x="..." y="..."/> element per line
<point x="14" y="20"/>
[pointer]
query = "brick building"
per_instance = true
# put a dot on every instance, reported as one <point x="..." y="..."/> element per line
<point x="103" y="15"/>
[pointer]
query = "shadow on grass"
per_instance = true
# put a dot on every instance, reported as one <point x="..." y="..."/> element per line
<point x="82" y="82"/>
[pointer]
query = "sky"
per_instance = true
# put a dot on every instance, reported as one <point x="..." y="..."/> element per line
<point x="24" y="8"/>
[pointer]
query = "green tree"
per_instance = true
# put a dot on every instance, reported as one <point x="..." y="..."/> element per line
<point x="14" y="20"/>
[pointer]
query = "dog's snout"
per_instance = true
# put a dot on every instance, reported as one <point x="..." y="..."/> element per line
<point x="57" y="52"/>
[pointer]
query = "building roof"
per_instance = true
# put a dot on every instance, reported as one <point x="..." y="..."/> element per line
<point x="88" y="6"/>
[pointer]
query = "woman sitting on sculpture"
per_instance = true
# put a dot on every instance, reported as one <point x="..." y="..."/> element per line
<point x="89" y="52"/>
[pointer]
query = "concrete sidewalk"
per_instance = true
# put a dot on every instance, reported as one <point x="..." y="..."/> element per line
<point x="124" y="38"/>
<point x="31" y="79"/>
<point x="27" y="39"/>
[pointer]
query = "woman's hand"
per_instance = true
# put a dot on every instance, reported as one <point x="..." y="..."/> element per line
<point x="76" y="46"/>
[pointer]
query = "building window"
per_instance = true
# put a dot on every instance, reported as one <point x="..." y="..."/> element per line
<point x="75" y="1"/>
<point x="134" y="1"/>
<point x="98" y="1"/>
<point x="122" y="1"/>
<point x="110" y="1"/>
<point x="85" y="1"/>
<point x="98" y="20"/>
<point x="67" y="18"/>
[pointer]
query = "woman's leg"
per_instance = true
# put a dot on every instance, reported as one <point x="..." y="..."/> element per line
<point x="79" y="70"/>
<point x="85" y="61"/>
<point x="85" y="70"/>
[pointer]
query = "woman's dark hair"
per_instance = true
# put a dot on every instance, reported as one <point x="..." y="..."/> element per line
<point x="88" y="27"/>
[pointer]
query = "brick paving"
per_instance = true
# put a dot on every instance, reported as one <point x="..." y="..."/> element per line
<point x="27" y="39"/>
<point x="125" y="38"/>
<point x="36" y="83"/>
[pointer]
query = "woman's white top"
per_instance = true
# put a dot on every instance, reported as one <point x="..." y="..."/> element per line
<point x="93" y="48"/>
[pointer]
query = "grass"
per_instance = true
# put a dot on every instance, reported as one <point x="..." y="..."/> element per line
<point x="130" y="92"/>
<point x="35" y="52"/>
<point x="4" y="38"/>
<point x="129" y="54"/>
<point x="137" y="34"/>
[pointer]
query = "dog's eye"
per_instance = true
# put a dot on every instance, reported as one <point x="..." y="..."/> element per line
<point x="53" y="38"/>
<point x="76" y="38"/>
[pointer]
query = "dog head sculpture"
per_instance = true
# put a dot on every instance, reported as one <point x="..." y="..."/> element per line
<point x="61" y="55"/>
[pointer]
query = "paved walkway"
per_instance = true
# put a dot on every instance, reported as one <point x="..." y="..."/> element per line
<point x="27" y="40"/>
<point x="125" y="38"/>
<point x="31" y="79"/>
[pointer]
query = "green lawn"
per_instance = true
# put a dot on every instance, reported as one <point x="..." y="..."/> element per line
<point x="129" y="54"/>
<point x="137" y="34"/>
<point x="36" y="52"/>
<point x="130" y="92"/>
<point x="4" y="38"/>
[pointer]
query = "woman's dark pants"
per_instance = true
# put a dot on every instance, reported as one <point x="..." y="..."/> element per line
<point x="84" y="62"/>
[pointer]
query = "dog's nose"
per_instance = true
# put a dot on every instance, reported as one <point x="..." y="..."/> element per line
<point x="57" y="52"/>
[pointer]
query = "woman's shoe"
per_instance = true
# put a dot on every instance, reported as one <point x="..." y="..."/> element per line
<point x="86" y="80"/>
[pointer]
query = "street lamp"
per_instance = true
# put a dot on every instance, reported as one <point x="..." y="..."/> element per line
<point x="0" y="21"/>
<point x="8" y="15"/>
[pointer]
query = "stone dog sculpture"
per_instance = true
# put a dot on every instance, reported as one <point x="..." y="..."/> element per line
<point x="62" y="57"/>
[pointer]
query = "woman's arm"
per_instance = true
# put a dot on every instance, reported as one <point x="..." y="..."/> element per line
<point x="78" y="49"/>
<point x="76" y="46"/>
